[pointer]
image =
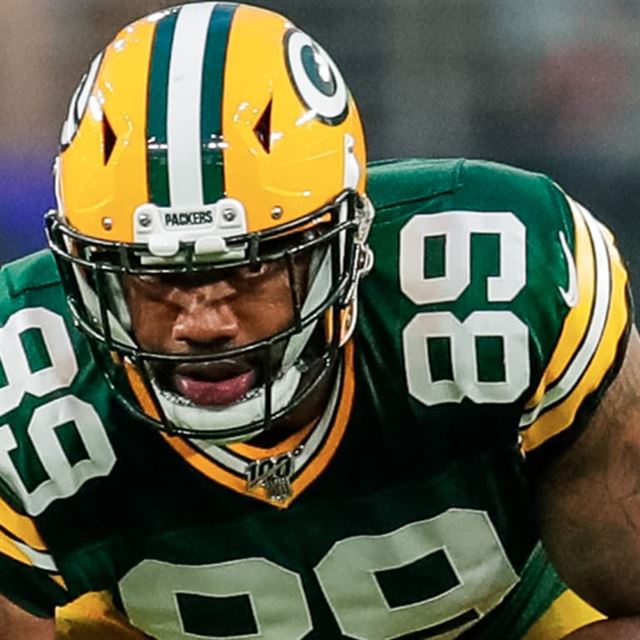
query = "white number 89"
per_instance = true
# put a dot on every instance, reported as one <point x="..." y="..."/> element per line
<point x="456" y="229"/>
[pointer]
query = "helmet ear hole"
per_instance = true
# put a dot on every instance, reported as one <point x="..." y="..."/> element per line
<point x="108" y="138"/>
<point x="263" y="128"/>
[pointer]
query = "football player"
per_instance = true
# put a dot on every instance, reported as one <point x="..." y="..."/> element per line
<point x="213" y="425"/>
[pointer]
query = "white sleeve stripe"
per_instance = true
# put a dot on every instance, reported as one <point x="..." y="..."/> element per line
<point x="38" y="558"/>
<point x="574" y="372"/>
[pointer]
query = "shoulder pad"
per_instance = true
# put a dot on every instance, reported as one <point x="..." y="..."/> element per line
<point x="393" y="182"/>
<point x="34" y="271"/>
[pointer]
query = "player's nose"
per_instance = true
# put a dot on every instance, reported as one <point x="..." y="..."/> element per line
<point x="207" y="316"/>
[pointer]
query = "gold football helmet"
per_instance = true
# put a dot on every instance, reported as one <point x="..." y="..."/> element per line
<point x="203" y="138"/>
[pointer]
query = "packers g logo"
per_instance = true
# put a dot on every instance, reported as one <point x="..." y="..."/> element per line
<point x="317" y="81"/>
<point x="79" y="102"/>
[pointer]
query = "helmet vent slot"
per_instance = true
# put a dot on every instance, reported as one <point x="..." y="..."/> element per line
<point x="263" y="128"/>
<point x="108" y="139"/>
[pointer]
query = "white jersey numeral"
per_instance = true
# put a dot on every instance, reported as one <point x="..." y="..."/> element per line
<point x="464" y="359"/>
<point x="62" y="479"/>
<point x="455" y="229"/>
<point x="273" y="606"/>
<point x="20" y="378"/>
<point x="155" y="593"/>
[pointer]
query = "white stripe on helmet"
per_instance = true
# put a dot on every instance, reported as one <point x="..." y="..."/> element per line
<point x="183" y="104"/>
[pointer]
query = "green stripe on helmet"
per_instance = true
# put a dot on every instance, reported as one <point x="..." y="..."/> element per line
<point x="211" y="101"/>
<point x="157" y="166"/>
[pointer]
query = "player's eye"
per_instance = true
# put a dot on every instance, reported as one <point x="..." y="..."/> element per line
<point x="202" y="278"/>
<point x="252" y="271"/>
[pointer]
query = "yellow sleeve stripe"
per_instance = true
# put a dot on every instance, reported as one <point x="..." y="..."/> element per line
<point x="94" y="615"/>
<point x="577" y="320"/>
<point x="20" y="541"/>
<point x="597" y="354"/>
<point x="566" y="613"/>
<point x="589" y="340"/>
<point x="59" y="580"/>
<point x="9" y="548"/>
<point x="29" y="557"/>
<point x="21" y="527"/>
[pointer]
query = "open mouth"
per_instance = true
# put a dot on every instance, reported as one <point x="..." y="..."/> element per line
<point x="215" y="384"/>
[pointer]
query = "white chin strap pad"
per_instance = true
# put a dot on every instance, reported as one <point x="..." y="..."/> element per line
<point x="232" y="416"/>
<point x="317" y="294"/>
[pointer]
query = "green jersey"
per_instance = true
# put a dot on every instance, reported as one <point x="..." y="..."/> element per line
<point x="493" y="319"/>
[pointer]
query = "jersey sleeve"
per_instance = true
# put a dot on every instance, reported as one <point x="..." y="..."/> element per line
<point x="514" y="307"/>
<point x="28" y="573"/>
<point x="592" y="337"/>
<point x="29" y="576"/>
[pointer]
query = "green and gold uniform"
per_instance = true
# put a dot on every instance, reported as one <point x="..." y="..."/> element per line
<point x="495" y="315"/>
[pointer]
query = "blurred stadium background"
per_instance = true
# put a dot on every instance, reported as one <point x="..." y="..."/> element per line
<point x="549" y="85"/>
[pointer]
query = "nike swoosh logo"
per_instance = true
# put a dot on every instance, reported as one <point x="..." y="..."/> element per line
<point x="570" y="294"/>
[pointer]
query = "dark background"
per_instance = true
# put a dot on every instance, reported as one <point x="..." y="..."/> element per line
<point x="548" y="85"/>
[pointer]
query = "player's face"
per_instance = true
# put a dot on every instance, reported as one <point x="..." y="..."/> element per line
<point x="211" y="313"/>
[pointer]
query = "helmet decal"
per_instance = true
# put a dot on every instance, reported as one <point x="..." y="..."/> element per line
<point x="79" y="102"/>
<point x="184" y="121"/>
<point x="317" y="80"/>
